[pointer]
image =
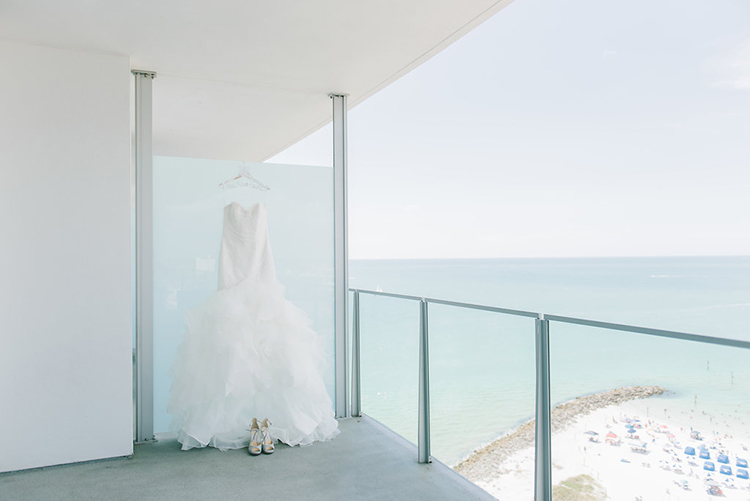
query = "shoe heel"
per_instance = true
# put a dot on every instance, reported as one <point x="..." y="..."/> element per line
<point x="256" y="439"/>
<point x="267" y="446"/>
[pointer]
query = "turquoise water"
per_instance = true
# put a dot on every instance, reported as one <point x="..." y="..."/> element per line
<point x="482" y="364"/>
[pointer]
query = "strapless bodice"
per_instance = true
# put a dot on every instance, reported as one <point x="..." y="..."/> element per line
<point x="245" y="249"/>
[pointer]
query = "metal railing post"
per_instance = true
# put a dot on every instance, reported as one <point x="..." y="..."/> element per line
<point x="356" y="392"/>
<point x="423" y="440"/>
<point x="543" y="443"/>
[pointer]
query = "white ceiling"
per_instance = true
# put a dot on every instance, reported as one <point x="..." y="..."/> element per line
<point x="244" y="80"/>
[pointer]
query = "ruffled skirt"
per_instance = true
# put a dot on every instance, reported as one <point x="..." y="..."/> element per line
<point x="248" y="352"/>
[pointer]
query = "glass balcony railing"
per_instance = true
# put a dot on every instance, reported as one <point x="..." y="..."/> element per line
<point x="562" y="409"/>
<point x="481" y="386"/>
<point x="389" y="356"/>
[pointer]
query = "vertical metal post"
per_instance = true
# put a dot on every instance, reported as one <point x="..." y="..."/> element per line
<point x="543" y="459"/>
<point x="144" y="266"/>
<point x="356" y="394"/>
<point x="423" y="437"/>
<point x="341" y="257"/>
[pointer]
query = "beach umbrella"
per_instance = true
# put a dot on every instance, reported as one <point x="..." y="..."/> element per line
<point x="690" y="451"/>
<point x="637" y="446"/>
<point x="723" y="458"/>
<point x="714" y="488"/>
<point x="612" y="439"/>
<point x="742" y="463"/>
<point x="725" y="470"/>
<point x="704" y="454"/>
<point x="709" y="466"/>
<point x="742" y="473"/>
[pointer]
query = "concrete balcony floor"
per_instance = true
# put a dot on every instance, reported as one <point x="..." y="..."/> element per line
<point x="366" y="461"/>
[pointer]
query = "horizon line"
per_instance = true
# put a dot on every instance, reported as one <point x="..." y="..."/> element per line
<point x="548" y="257"/>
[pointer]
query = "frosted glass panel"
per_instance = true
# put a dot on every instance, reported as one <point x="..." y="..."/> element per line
<point x="188" y="218"/>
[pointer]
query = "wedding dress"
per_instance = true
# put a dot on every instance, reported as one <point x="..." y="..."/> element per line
<point x="248" y="352"/>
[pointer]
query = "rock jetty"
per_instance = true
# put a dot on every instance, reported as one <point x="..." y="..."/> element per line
<point x="485" y="463"/>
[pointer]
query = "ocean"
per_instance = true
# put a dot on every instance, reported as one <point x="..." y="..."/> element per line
<point x="482" y="364"/>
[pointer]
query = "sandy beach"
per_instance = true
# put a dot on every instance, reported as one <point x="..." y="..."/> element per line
<point x="643" y="457"/>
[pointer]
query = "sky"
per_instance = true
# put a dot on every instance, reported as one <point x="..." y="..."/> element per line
<point x="582" y="128"/>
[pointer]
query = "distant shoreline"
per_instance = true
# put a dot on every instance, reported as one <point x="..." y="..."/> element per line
<point x="483" y="463"/>
<point x="548" y="258"/>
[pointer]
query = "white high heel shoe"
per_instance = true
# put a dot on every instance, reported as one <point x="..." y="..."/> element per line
<point x="268" y="446"/>
<point x="256" y="439"/>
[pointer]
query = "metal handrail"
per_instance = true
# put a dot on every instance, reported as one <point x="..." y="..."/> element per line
<point x="471" y="306"/>
<point x="543" y="412"/>
<point x="699" y="338"/>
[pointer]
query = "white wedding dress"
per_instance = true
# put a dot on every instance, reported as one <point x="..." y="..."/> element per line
<point x="248" y="352"/>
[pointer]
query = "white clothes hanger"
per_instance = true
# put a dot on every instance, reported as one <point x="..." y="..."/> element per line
<point x="244" y="180"/>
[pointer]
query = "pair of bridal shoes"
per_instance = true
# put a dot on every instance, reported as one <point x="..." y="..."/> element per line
<point x="260" y="439"/>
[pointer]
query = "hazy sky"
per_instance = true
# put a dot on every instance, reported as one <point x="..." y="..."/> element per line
<point x="578" y="128"/>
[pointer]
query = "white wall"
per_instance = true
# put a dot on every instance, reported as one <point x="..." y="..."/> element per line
<point x="65" y="307"/>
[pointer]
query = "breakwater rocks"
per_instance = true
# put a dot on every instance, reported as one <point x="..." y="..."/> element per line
<point x="485" y="463"/>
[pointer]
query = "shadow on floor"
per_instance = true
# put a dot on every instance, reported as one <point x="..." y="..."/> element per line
<point x="366" y="461"/>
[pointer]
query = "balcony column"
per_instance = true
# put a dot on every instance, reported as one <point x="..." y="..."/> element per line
<point x="341" y="255"/>
<point x="144" y="259"/>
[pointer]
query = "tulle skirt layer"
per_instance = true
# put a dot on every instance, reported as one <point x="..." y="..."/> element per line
<point x="248" y="352"/>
